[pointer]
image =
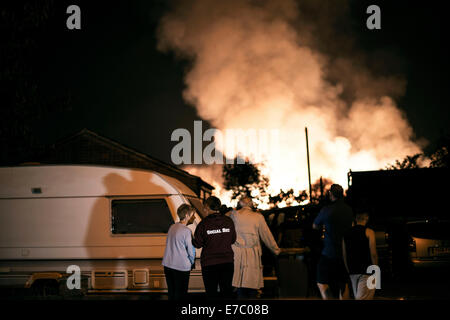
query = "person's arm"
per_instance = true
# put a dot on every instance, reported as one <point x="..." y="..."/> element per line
<point x="318" y="221"/>
<point x="266" y="236"/>
<point x="370" y="234"/>
<point x="344" y="255"/>
<point x="190" y="248"/>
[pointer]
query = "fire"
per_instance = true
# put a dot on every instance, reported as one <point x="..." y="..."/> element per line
<point x="256" y="65"/>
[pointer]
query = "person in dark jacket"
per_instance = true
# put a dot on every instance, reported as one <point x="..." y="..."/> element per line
<point x="215" y="234"/>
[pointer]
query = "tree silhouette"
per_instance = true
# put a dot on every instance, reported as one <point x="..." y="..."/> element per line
<point x="319" y="191"/>
<point x="243" y="179"/>
<point x="409" y="162"/>
<point x="440" y="157"/>
<point x="287" y="197"/>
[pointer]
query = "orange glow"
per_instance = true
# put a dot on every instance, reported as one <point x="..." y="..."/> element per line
<point x="254" y="69"/>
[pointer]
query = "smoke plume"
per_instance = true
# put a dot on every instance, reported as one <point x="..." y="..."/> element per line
<point x="288" y="65"/>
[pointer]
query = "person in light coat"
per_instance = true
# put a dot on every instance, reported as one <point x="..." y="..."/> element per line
<point x="250" y="229"/>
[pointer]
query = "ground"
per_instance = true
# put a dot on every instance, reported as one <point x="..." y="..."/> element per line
<point x="426" y="281"/>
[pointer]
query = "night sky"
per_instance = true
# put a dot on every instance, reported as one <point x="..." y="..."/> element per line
<point x="122" y="87"/>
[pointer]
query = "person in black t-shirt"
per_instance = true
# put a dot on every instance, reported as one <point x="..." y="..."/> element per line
<point x="215" y="234"/>
<point x="359" y="252"/>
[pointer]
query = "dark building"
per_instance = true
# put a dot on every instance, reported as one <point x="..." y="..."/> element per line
<point x="406" y="193"/>
<point x="87" y="147"/>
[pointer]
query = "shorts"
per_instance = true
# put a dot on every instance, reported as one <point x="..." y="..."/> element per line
<point x="331" y="271"/>
<point x="360" y="289"/>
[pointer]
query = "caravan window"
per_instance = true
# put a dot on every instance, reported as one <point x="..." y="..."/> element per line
<point x="197" y="204"/>
<point x="140" y="216"/>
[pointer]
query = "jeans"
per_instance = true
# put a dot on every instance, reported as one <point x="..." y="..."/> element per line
<point x="360" y="289"/>
<point x="177" y="283"/>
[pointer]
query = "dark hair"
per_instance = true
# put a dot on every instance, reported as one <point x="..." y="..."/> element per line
<point x="224" y="209"/>
<point x="337" y="191"/>
<point x="184" y="210"/>
<point x="360" y="216"/>
<point x="213" y="203"/>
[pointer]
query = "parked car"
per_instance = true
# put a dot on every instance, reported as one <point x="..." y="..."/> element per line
<point x="429" y="240"/>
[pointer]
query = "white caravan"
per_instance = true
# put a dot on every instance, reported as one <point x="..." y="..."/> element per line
<point x="110" y="222"/>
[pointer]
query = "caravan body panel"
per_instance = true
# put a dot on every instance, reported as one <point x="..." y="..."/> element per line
<point x="65" y="214"/>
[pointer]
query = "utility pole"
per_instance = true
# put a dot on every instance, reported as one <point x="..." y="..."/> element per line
<point x="321" y="189"/>
<point x="309" y="169"/>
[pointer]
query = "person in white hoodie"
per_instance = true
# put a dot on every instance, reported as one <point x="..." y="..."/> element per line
<point x="250" y="229"/>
